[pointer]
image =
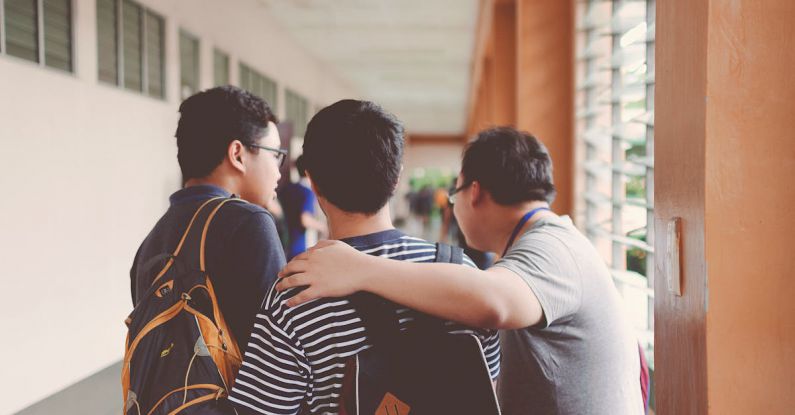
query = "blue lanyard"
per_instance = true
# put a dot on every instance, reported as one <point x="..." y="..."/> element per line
<point x="519" y="225"/>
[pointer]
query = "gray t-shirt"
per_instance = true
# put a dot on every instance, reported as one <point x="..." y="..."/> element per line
<point x="583" y="357"/>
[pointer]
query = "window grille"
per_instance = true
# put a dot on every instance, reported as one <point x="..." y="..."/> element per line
<point x="38" y="31"/>
<point x="220" y="68"/>
<point x="297" y="111"/>
<point x="259" y="85"/>
<point x="188" y="64"/>
<point x="615" y="129"/>
<point x="131" y="47"/>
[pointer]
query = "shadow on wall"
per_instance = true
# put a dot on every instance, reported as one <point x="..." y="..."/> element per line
<point x="98" y="394"/>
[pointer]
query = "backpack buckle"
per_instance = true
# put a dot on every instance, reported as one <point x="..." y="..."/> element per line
<point x="186" y="297"/>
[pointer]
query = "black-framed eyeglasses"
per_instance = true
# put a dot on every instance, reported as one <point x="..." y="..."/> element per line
<point x="452" y="193"/>
<point x="281" y="154"/>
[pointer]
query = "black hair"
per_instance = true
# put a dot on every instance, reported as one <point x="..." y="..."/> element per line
<point x="513" y="166"/>
<point x="210" y="120"/>
<point x="353" y="151"/>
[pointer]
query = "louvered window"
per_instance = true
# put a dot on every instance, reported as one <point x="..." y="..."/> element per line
<point x="258" y="84"/>
<point x="155" y="54"/>
<point x="108" y="41"/>
<point x="296" y="110"/>
<point x="220" y="68"/>
<point x="38" y="31"/>
<point x="615" y="117"/>
<point x="188" y="64"/>
<point x="130" y="47"/>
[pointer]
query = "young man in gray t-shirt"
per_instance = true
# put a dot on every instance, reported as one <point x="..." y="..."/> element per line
<point x="567" y="347"/>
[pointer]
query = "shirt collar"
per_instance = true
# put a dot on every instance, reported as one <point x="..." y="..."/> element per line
<point x="198" y="192"/>
<point x="376" y="238"/>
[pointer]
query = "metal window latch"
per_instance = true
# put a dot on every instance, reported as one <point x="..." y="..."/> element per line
<point x="673" y="263"/>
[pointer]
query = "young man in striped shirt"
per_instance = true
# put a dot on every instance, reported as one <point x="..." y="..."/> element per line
<point x="295" y="359"/>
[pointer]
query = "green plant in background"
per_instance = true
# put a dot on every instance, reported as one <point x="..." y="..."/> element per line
<point x="636" y="257"/>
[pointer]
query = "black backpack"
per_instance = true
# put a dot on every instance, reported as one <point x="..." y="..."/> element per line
<point x="425" y="370"/>
<point x="180" y="357"/>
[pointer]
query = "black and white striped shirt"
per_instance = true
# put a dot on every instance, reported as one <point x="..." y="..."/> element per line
<point x="297" y="355"/>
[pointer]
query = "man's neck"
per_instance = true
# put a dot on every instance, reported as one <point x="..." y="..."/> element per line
<point x="212" y="181"/>
<point x="508" y="218"/>
<point x="346" y="225"/>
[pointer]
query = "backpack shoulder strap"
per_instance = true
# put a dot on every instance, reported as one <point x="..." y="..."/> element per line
<point x="191" y="244"/>
<point x="449" y="254"/>
<point x="378" y="317"/>
<point x="378" y="314"/>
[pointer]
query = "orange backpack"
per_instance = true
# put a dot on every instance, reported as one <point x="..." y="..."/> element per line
<point x="180" y="357"/>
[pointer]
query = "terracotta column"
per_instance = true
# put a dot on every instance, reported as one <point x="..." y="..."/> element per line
<point x="724" y="162"/>
<point x="545" y="84"/>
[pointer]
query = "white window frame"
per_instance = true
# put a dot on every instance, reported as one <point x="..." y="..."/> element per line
<point x="40" y="37"/>
<point x="602" y="167"/>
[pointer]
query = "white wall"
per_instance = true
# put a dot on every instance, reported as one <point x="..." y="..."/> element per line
<point x="86" y="170"/>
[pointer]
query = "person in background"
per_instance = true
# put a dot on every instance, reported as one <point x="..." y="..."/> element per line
<point x="298" y="201"/>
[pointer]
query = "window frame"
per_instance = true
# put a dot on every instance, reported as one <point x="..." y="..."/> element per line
<point x="258" y="78"/>
<point x="604" y="193"/>
<point x="40" y="38"/>
<point x="143" y="38"/>
<point x="217" y="52"/>
<point x="183" y="33"/>
<point x="292" y="95"/>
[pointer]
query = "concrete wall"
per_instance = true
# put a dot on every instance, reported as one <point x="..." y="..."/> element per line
<point x="724" y="161"/>
<point x="87" y="169"/>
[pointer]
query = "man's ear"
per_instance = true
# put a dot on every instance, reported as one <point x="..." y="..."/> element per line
<point x="235" y="153"/>
<point x="397" y="183"/>
<point x="477" y="192"/>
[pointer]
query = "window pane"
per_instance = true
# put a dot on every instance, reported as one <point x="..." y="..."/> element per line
<point x="297" y="111"/>
<point x="220" y="68"/>
<point x="58" y="34"/>
<point x="245" y="77"/>
<point x="269" y="92"/>
<point x="107" y="41"/>
<point x="131" y="45"/>
<point x="154" y="51"/>
<point x="22" y="29"/>
<point x="188" y="64"/>
<point x="258" y="85"/>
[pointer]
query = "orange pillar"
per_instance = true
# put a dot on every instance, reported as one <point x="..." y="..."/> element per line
<point x="724" y="162"/>
<point x="504" y="64"/>
<point x="545" y="85"/>
<point x="680" y="129"/>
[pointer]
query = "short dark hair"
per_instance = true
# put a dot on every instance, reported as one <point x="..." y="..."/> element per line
<point x="513" y="166"/>
<point x="353" y="151"/>
<point x="210" y="120"/>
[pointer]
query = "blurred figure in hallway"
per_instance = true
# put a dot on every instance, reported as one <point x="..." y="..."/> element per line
<point x="298" y="202"/>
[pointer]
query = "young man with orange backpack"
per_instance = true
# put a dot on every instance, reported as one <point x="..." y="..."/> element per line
<point x="199" y="277"/>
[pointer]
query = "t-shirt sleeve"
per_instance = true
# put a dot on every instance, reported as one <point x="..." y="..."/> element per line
<point x="275" y="375"/>
<point x="550" y="271"/>
<point x="252" y="256"/>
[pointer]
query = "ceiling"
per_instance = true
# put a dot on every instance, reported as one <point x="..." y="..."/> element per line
<point x="411" y="56"/>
